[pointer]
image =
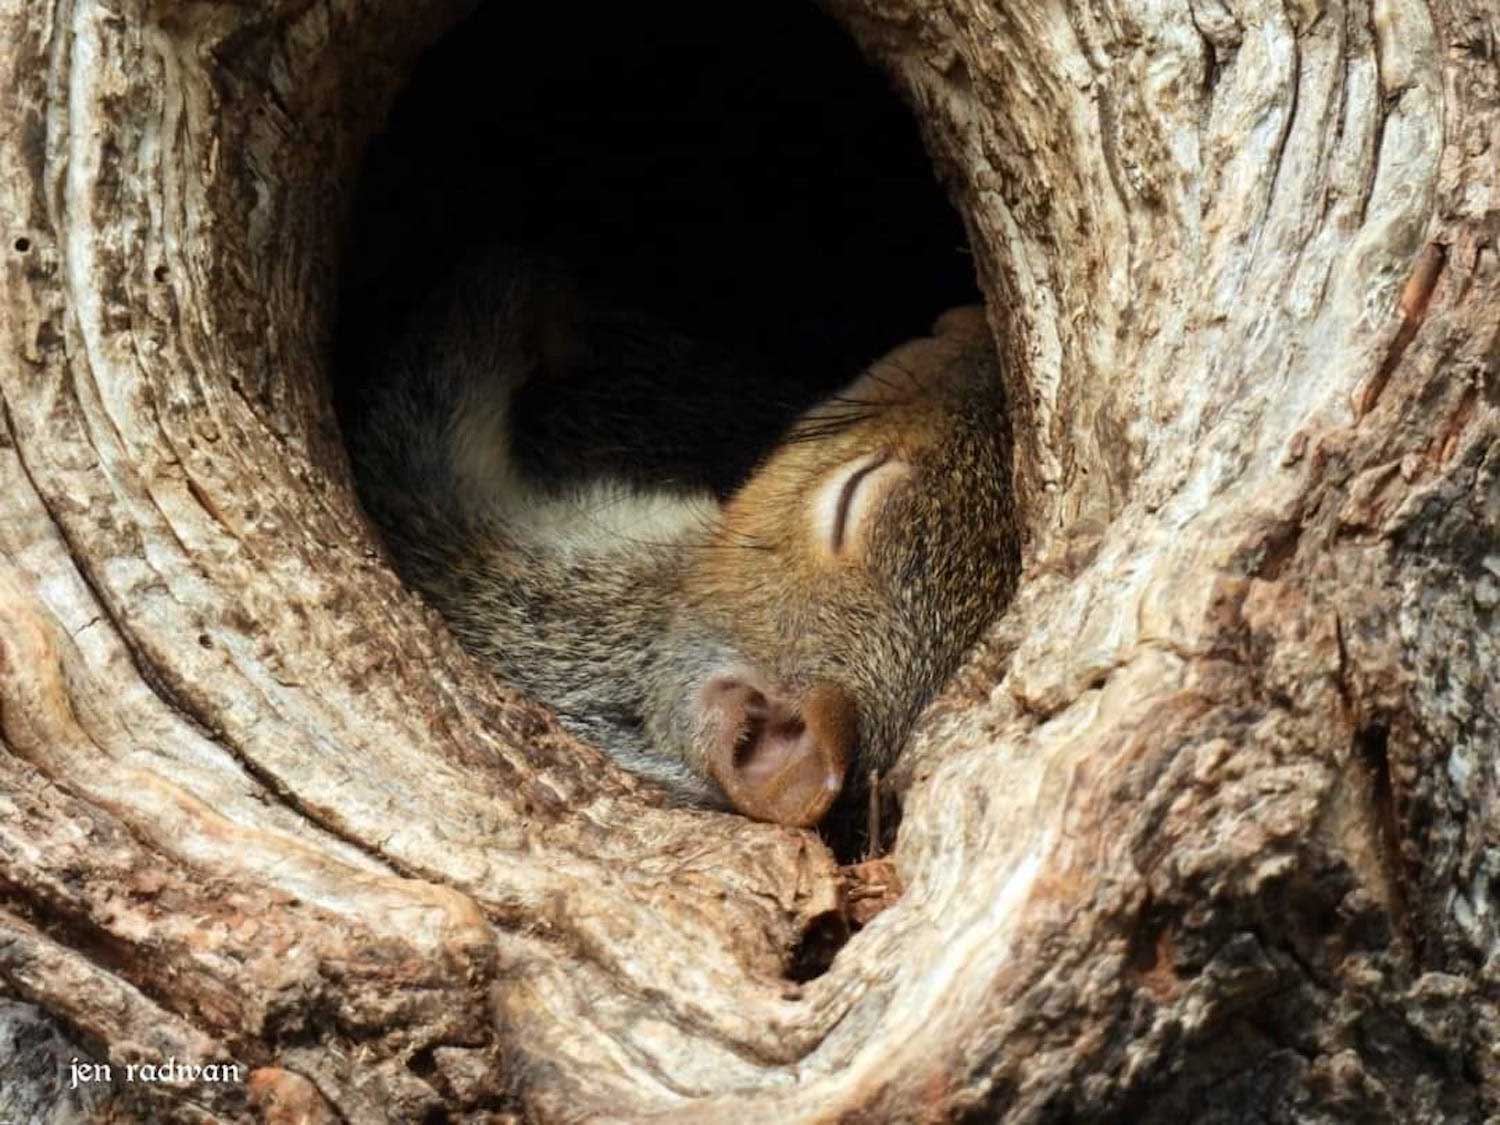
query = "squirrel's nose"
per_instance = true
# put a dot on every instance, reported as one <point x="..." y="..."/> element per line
<point x="776" y="760"/>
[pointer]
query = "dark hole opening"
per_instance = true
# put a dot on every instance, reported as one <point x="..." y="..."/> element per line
<point x="744" y="177"/>
<point x="819" y="945"/>
<point x="750" y="181"/>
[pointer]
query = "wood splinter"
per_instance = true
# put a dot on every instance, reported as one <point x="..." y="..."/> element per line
<point x="1416" y="295"/>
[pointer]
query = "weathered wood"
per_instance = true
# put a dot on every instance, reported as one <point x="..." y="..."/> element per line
<point x="1209" y="827"/>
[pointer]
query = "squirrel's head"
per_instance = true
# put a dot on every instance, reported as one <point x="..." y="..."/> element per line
<point x="848" y="577"/>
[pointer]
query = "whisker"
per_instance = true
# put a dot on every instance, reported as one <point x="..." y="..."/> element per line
<point x="724" y="546"/>
<point x="903" y="369"/>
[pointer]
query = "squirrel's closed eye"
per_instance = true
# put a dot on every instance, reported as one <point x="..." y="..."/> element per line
<point x="843" y="503"/>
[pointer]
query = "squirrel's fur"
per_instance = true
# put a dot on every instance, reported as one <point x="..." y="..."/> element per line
<point x="860" y="559"/>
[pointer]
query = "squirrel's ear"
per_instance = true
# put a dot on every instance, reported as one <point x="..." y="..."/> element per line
<point x="777" y="759"/>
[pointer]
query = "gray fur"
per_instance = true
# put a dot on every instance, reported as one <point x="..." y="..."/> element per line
<point x="572" y="619"/>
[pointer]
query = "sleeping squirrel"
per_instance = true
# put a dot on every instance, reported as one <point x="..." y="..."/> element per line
<point x="751" y="649"/>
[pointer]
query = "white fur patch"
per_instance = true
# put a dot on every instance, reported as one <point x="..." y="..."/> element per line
<point x="608" y="515"/>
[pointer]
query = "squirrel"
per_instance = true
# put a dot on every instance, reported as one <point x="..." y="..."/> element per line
<point x="749" y="649"/>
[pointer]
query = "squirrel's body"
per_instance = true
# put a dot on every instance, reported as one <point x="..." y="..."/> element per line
<point x="745" y="649"/>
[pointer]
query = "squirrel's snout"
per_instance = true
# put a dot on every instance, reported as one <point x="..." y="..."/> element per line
<point x="777" y="759"/>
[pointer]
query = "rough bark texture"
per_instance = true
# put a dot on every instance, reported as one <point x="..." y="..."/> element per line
<point x="1208" y="830"/>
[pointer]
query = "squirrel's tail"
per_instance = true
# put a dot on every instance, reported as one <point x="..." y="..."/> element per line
<point x="430" y="438"/>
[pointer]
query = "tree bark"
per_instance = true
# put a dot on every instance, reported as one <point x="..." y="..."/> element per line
<point x="1208" y="829"/>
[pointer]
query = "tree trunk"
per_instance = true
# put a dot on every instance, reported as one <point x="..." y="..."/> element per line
<point x="1208" y="830"/>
